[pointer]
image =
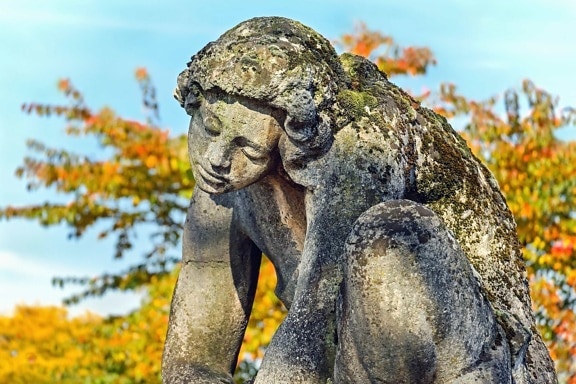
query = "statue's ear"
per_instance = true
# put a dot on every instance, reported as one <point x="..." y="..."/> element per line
<point x="304" y="125"/>
<point x="299" y="131"/>
<point x="313" y="136"/>
<point x="294" y="160"/>
<point x="301" y="117"/>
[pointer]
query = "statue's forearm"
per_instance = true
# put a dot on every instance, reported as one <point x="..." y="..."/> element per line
<point x="212" y="298"/>
<point x="207" y="320"/>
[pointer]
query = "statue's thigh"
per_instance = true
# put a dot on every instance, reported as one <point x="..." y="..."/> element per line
<point x="411" y="309"/>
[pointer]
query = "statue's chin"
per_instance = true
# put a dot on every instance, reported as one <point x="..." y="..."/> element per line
<point x="210" y="183"/>
<point x="213" y="190"/>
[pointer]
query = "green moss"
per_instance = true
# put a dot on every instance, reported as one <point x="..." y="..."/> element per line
<point x="354" y="103"/>
<point x="362" y="72"/>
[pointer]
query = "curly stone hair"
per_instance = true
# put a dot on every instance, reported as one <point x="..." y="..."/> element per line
<point x="277" y="61"/>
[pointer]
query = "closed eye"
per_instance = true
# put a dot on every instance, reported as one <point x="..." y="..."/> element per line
<point x="212" y="125"/>
<point x="251" y="150"/>
<point x="253" y="154"/>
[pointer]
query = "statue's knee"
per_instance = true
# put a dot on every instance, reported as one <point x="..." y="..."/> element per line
<point x="395" y="246"/>
<point x="404" y="240"/>
<point x="395" y="223"/>
<point x="383" y="284"/>
<point x="409" y="286"/>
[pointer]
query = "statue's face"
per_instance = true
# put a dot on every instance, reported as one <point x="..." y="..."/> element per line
<point x="231" y="143"/>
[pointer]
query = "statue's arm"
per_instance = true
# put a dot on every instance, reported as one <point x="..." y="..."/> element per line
<point x="213" y="296"/>
<point x="304" y="346"/>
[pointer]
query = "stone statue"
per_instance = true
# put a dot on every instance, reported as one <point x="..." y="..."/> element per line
<point x="395" y="252"/>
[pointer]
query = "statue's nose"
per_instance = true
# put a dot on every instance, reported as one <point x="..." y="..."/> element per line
<point x="218" y="156"/>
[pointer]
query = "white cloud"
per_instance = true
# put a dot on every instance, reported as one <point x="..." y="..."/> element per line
<point x="28" y="282"/>
<point x="17" y="265"/>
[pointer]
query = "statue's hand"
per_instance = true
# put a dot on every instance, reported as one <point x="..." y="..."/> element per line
<point x="194" y="375"/>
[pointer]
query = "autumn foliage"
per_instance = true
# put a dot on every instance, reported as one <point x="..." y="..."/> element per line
<point x="383" y="50"/>
<point x="43" y="345"/>
<point x="143" y="181"/>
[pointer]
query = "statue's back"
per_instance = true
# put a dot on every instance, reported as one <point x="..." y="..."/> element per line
<point x="442" y="173"/>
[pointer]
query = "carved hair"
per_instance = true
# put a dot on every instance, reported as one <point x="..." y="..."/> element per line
<point x="280" y="62"/>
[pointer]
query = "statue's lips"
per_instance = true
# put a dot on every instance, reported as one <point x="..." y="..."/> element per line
<point x="211" y="178"/>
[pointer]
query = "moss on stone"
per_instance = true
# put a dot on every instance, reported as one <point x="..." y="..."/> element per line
<point x="355" y="104"/>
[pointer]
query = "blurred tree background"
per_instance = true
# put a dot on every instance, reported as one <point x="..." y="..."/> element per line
<point x="142" y="183"/>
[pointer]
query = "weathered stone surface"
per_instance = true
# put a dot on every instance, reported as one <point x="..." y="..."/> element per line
<point x="431" y="323"/>
<point x="395" y="251"/>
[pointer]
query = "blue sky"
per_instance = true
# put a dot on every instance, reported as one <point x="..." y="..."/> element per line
<point x="484" y="47"/>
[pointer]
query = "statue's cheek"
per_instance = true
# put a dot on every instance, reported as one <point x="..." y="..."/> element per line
<point x="196" y="147"/>
<point x="195" y="155"/>
<point x="245" y="173"/>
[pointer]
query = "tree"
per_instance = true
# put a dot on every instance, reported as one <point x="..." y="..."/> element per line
<point x="145" y="181"/>
<point x="390" y="58"/>
<point x="42" y="345"/>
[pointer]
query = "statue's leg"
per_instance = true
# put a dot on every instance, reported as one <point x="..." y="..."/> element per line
<point x="411" y="308"/>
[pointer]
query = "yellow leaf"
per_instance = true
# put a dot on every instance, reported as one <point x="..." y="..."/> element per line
<point x="151" y="161"/>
